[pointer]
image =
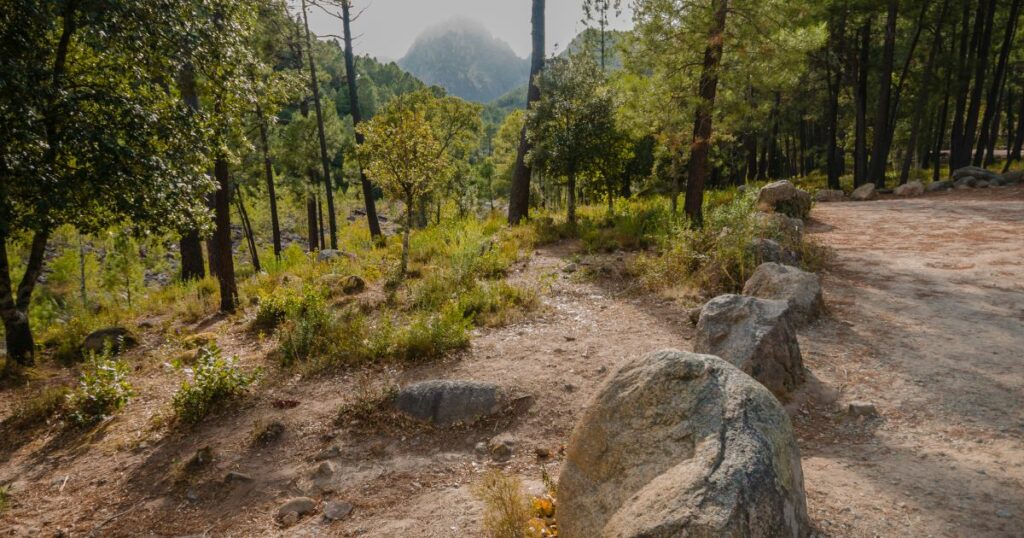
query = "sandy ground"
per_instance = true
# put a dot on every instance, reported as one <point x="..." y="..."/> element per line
<point x="926" y="321"/>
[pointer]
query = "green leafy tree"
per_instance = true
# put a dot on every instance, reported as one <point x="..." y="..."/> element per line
<point x="89" y="133"/>
<point x="402" y="154"/>
<point x="572" y="125"/>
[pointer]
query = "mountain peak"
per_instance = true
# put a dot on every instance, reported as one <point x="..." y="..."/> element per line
<point x="462" y="56"/>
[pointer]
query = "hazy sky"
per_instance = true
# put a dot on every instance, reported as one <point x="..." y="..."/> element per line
<point x="387" y="28"/>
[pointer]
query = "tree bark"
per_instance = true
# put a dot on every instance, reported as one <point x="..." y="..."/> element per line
<point x="324" y="160"/>
<point x="1018" y="142"/>
<point x="968" y="43"/>
<point x="353" y="100"/>
<point x="190" y="245"/>
<point x="268" y="171"/>
<point x="222" y="237"/>
<point x="860" y="149"/>
<point x="702" y="125"/>
<point x="250" y="236"/>
<point x="970" y="132"/>
<point x="880" y="149"/>
<point x="14" y="304"/>
<point x="992" y="103"/>
<point x="312" y="228"/>
<point x="923" y="98"/>
<point x="519" y="194"/>
<point x="571" y="198"/>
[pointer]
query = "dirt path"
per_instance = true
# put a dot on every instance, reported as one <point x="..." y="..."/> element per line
<point x="926" y="321"/>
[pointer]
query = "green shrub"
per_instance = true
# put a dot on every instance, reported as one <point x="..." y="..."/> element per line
<point x="103" y="389"/>
<point x="214" y="382"/>
<point x="5" y="499"/>
<point x="423" y="337"/>
<point x="307" y="328"/>
<point x="494" y="304"/>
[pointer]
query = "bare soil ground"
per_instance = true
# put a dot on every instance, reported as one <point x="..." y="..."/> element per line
<point x="926" y="321"/>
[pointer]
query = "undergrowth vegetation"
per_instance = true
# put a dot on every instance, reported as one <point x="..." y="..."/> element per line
<point x="212" y="384"/>
<point x="103" y="390"/>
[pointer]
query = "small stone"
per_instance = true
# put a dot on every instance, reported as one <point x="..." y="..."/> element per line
<point x="235" y="476"/>
<point x="542" y="453"/>
<point x="1003" y="513"/>
<point x="501" y="447"/>
<point x="328" y="453"/>
<point x="192" y="495"/>
<point x="862" y="409"/>
<point x="571" y="268"/>
<point x="336" y="510"/>
<point x="569" y="387"/>
<point x="324" y="470"/>
<point x="480" y="448"/>
<point x="299" y="506"/>
<point x="864" y="193"/>
<point x="693" y="314"/>
<point x="603" y="369"/>
<point x="290" y="519"/>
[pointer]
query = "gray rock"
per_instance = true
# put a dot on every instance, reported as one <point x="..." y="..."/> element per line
<point x="864" y="193"/>
<point x="790" y="228"/>
<point x="965" y="182"/>
<point x="1014" y="178"/>
<point x="336" y="510"/>
<point x="324" y="471"/>
<point x="913" y="188"/>
<point x="770" y="250"/>
<point x="755" y="336"/>
<point x="982" y="184"/>
<point x="328" y="453"/>
<point x="570" y="268"/>
<point x="299" y="506"/>
<point x="118" y="338"/>
<point x="444" y="402"/>
<point x="939" y="186"/>
<point x="800" y="289"/>
<point x="235" y="476"/>
<point x="862" y="409"/>
<point x="501" y="447"/>
<point x="997" y="181"/>
<point x="829" y="195"/>
<point x="693" y="314"/>
<point x="783" y="197"/>
<point x="974" y="171"/>
<point x="680" y="444"/>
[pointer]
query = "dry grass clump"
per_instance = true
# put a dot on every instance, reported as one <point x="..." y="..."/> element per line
<point x="506" y="509"/>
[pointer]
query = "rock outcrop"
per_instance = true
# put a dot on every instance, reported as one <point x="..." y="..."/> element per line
<point x="117" y="339"/>
<point x="680" y="444"/>
<point x="445" y="402"/>
<point x="783" y="197"/>
<point x="864" y="193"/>
<point x="913" y="188"/>
<point x="769" y="250"/>
<point x="829" y="195"/>
<point x="754" y="335"/>
<point x="800" y="289"/>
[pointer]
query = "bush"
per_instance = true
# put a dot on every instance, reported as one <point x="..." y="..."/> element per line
<point x="214" y="383"/>
<point x="506" y="508"/>
<point x="307" y="329"/>
<point x="103" y="389"/>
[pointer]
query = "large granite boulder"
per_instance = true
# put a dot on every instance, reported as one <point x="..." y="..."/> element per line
<point x="864" y="193"/>
<point x="975" y="172"/>
<point x="829" y="195"/>
<point x="939" y="186"/>
<point x="769" y="250"/>
<point x="444" y="402"/>
<point x="754" y="335"/>
<point x="681" y="444"/>
<point x="913" y="188"/>
<point x="117" y="339"/>
<point x="800" y="289"/>
<point x="783" y="197"/>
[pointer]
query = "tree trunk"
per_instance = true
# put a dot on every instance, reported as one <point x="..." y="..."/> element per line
<point x="312" y="228"/>
<point x="222" y="237"/>
<point x="353" y="100"/>
<point x="750" y="144"/>
<point x="250" y="237"/>
<point x="702" y="124"/>
<point x="992" y="103"/>
<point x="405" y="234"/>
<point x="191" y="248"/>
<point x="211" y="242"/>
<point x="571" y="198"/>
<point x="1018" y="142"/>
<point x="968" y="43"/>
<point x="981" y="68"/>
<point x="14" y="304"/>
<point x="268" y="171"/>
<point x="922" y="99"/>
<point x="880" y="149"/>
<point x="324" y="160"/>
<point x="860" y="150"/>
<point x="320" y="222"/>
<point x="519" y="194"/>
<point x="993" y="137"/>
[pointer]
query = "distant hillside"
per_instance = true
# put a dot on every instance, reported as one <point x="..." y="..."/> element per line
<point x="465" y="59"/>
